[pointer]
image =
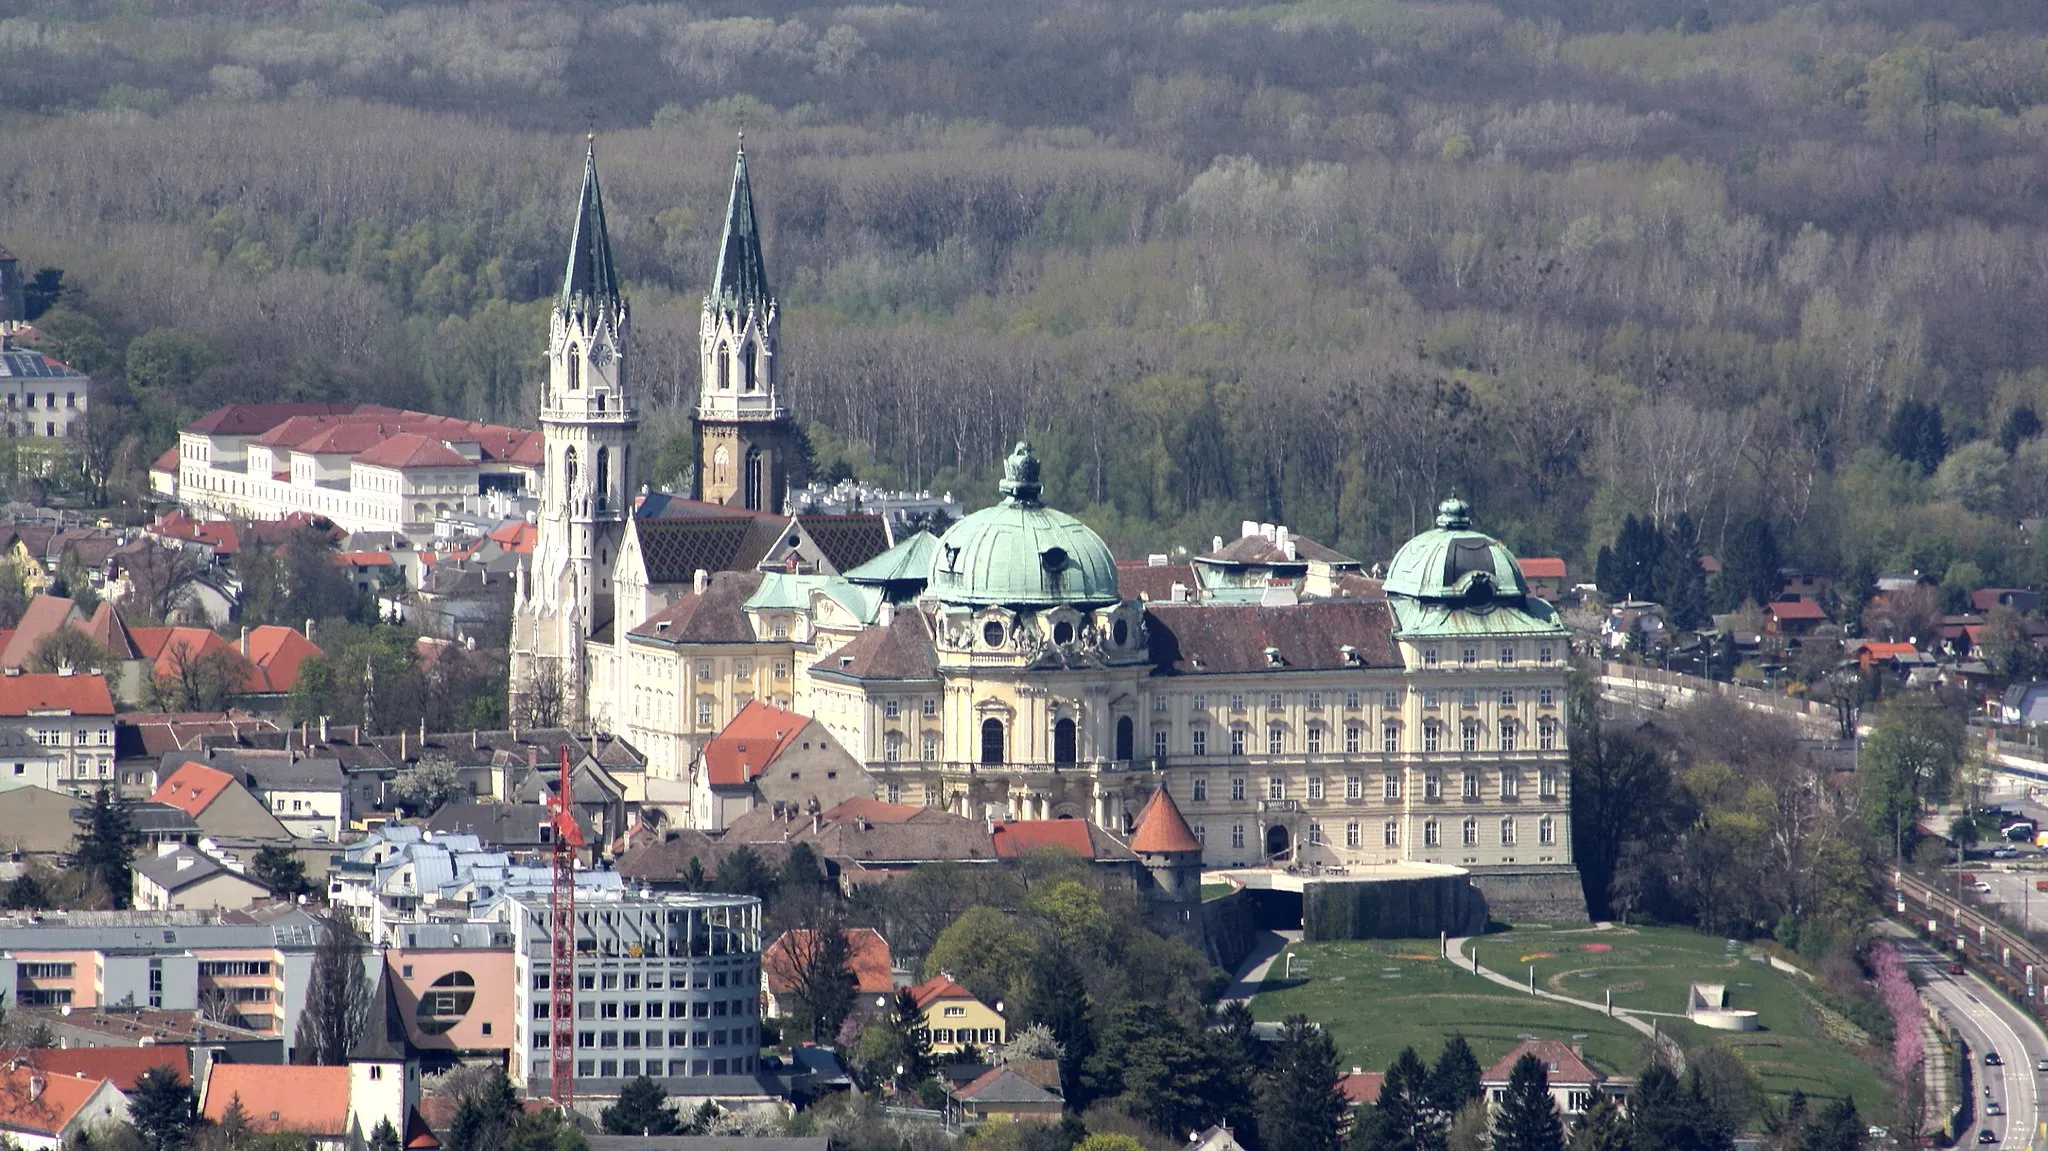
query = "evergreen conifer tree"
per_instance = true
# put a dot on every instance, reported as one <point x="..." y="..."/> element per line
<point x="106" y="843"/>
<point x="1602" y="1128"/>
<point x="1454" y="1081"/>
<point x="643" y="1109"/>
<point x="1526" y="1119"/>
<point x="1300" y="1107"/>
<point x="160" y="1107"/>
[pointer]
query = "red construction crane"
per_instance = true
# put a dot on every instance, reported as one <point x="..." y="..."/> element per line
<point x="562" y="944"/>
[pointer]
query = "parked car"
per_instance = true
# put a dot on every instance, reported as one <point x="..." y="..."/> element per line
<point x="1980" y="887"/>
<point x="1955" y="969"/>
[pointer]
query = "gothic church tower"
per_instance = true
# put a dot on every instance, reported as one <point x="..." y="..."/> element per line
<point x="750" y="452"/>
<point x="587" y="419"/>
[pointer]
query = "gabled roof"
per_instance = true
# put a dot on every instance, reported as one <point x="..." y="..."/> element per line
<point x="253" y="419"/>
<point x="24" y="363"/>
<point x="192" y="788"/>
<point x="107" y="629"/>
<point x="1003" y="1085"/>
<point x="740" y="282"/>
<point x="1143" y="580"/>
<point x="1363" y="1087"/>
<point x="936" y="988"/>
<point x="1804" y="609"/>
<point x="1564" y="1065"/>
<point x="412" y="450"/>
<point x="590" y="282"/>
<point x="47" y="1112"/>
<point x="675" y="549"/>
<point x="1161" y="827"/>
<point x="910" y="561"/>
<point x="1254" y="549"/>
<point x="867" y="958"/>
<point x="307" y="1100"/>
<point x="275" y="655"/>
<point x="1540" y="567"/>
<point x="738" y="755"/>
<point x="847" y="541"/>
<point x="899" y="650"/>
<point x="872" y="810"/>
<point x="43" y="616"/>
<point x="22" y="695"/>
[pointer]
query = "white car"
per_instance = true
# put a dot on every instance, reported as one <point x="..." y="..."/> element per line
<point x="1981" y="887"/>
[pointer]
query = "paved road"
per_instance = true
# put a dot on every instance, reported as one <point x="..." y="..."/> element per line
<point x="1988" y="1023"/>
<point x="1252" y="971"/>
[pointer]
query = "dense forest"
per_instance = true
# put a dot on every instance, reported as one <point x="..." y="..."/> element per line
<point x="1306" y="261"/>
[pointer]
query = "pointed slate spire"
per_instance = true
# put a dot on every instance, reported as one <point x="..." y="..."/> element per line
<point x="591" y="281"/>
<point x="742" y="279"/>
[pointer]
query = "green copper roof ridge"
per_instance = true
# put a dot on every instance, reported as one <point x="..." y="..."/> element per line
<point x="591" y="279"/>
<point x="741" y="280"/>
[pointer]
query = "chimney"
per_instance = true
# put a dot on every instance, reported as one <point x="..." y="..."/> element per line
<point x="888" y="615"/>
<point x="401" y="745"/>
<point x="323" y="729"/>
<point x="423" y="731"/>
<point x="309" y="629"/>
<point x="245" y="641"/>
<point x="532" y="757"/>
<point x="472" y="739"/>
<point x="700" y="581"/>
<point x="1246" y="529"/>
<point x="36" y="1083"/>
<point x="1180" y="593"/>
<point x="1215" y="543"/>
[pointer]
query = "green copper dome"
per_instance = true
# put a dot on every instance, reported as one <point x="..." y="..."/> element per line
<point x="1021" y="553"/>
<point x="1453" y="562"/>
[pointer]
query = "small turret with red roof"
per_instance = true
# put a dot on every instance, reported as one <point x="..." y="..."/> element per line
<point x="1171" y="851"/>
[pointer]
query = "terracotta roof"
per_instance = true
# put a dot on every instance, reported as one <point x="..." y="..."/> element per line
<point x="1025" y="836"/>
<point x="275" y="656"/>
<point x="847" y="541"/>
<point x="1879" y="649"/>
<point x="713" y="617"/>
<point x="253" y="419"/>
<point x="412" y="450"/>
<point x="1233" y="638"/>
<point x="120" y="1065"/>
<point x="1144" y="581"/>
<point x="872" y="810"/>
<point x="179" y="644"/>
<point x="418" y="1136"/>
<point x="674" y="550"/>
<point x="1161" y="827"/>
<point x="307" y="1100"/>
<point x="191" y="788"/>
<point x="517" y="538"/>
<point x="1541" y="567"/>
<point x="366" y="559"/>
<point x="43" y="616"/>
<point x="22" y="695"/>
<point x="902" y="650"/>
<point x="738" y="755"/>
<point x="218" y="534"/>
<point x="42" y="1113"/>
<point x="437" y="1112"/>
<point x="110" y="631"/>
<point x="867" y="957"/>
<point x="1363" y="1087"/>
<point x="939" y="987"/>
<point x="1563" y="1064"/>
<point x="1804" y="609"/>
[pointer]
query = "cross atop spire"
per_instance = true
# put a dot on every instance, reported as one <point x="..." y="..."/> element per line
<point x="742" y="278"/>
<point x="591" y="281"/>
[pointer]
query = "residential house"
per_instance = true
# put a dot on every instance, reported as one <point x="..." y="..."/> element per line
<point x="2022" y="600"/>
<point x="275" y="655"/>
<point x="41" y="1111"/>
<point x="1546" y="575"/>
<point x="1634" y="625"/>
<point x="218" y="802"/>
<point x="1216" y="1138"/>
<point x="2024" y="703"/>
<point x="121" y="1066"/>
<point x="24" y="760"/>
<point x="1001" y="1093"/>
<point x="1874" y="654"/>
<point x="867" y="958"/>
<point x="35" y="829"/>
<point x="769" y="757"/>
<point x="1793" y="618"/>
<point x="72" y="716"/>
<point x="955" y="1018"/>
<point x="180" y="878"/>
<point x="1574" y="1084"/>
<point x="1798" y="583"/>
<point x="335" y="1108"/>
<point x="308" y="794"/>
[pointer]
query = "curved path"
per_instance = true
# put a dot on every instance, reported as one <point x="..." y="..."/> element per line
<point x="1665" y="1043"/>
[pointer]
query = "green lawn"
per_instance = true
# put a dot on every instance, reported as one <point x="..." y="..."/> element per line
<point x="1216" y="890"/>
<point x="1381" y="995"/>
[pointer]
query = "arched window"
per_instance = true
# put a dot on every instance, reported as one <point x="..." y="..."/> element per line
<point x="992" y="741"/>
<point x="724" y="357"/>
<point x="753" y="479"/>
<point x="748" y="351"/>
<point x="574" y="368"/>
<point x="1063" y="742"/>
<point x="604" y="478"/>
<point x="1471" y="833"/>
<point x="1124" y="737"/>
<point x="1507" y="832"/>
<point x="569" y="474"/>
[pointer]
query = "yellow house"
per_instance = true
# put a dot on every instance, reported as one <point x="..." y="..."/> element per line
<point x="955" y="1017"/>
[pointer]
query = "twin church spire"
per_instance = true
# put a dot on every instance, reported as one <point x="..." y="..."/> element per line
<point x="591" y="283"/>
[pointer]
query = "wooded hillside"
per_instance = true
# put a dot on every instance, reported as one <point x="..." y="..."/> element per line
<point x="1311" y="262"/>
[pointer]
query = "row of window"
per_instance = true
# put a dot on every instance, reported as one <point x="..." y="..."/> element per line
<point x="608" y="1040"/>
<point x="1509" y="785"/>
<point x="1505" y="655"/>
<point x="1390" y="833"/>
<point x="652" y="980"/>
<point x="1353" y="700"/>
<point x="967" y="1035"/>
<point x="1314" y="740"/>
<point x="677" y="1009"/>
<point x="632" y="1068"/>
<point x="28" y="400"/>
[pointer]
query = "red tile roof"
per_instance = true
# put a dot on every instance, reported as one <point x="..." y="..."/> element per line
<point x="122" y="1065"/>
<point x="1141" y="580"/>
<point x="516" y="537"/>
<point x="191" y="788"/>
<point x="307" y="1100"/>
<point x="1541" y="567"/>
<point x="254" y="419"/>
<point x="739" y="754"/>
<point x="1363" y="1087"/>
<point x="22" y="695"/>
<point x="275" y="654"/>
<point x="1804" y="609"/>
<point x="1021" y="837"/>
<point x="1880" y="649"/>
<point x="412" y="450"/>
<point x="1161" y="828"/>
<point x="43" y="616"/>
<point x="872" y="810"/>
<point x="179" y="645"/>
<point x="366" y="559"/>
<point x="867" y="958"/>
<point x="936" y="988"/>
<point x="1563" y="1064"/>
<point x="47" y="1112"/>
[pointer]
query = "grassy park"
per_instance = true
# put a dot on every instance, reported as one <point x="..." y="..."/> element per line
<point x="1377" y="996"/>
